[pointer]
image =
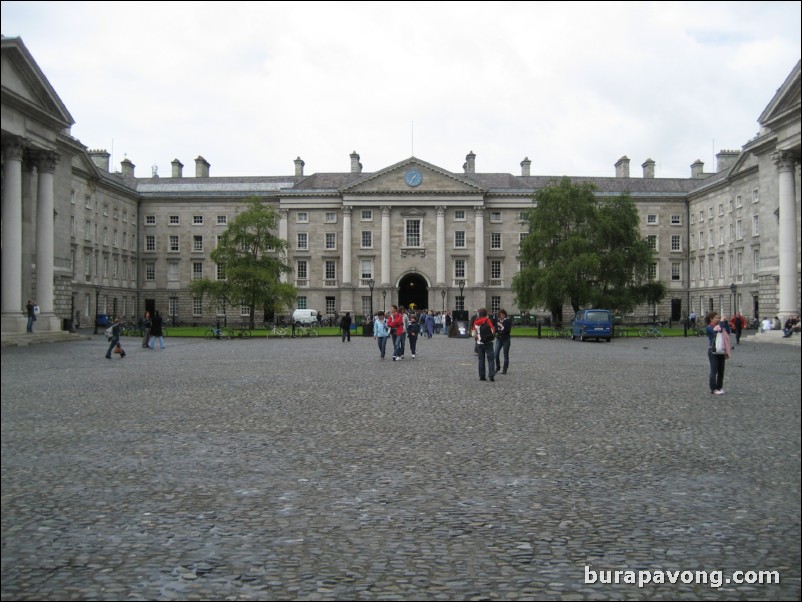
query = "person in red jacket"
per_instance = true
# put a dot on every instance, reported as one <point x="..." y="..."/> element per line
<point x="484" y="344"/>
<point x="396" y="324"/>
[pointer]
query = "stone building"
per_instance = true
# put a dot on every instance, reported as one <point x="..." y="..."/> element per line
<point x="412" y="232"/>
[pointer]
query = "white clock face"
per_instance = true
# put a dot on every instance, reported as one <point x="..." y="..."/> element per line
<point x="413" y="177"/>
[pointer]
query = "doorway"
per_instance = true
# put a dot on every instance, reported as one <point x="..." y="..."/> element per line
<point x="413" y="291"/>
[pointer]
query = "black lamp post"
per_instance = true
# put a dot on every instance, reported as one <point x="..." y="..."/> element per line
<point x="733" y="289"/>
<point x="371" y="283"/>
<point x="384" y="300"/>
<point x="461" y="285"/>
<point x="97" y="307"/>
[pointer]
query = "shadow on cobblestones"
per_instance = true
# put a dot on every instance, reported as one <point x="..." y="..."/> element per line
<point x="310" y="470"/>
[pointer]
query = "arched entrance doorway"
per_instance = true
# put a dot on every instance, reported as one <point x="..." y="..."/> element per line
<point x="413" y="288"/>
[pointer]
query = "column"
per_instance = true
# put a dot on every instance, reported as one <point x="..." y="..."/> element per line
<point x="479" y="247"/>
<point x="789" y="302"/>
<point x="45" y="237"/>
<point x="282" y="234"/>
<point x="441" y="247"/>
<point x="385" y="247"/>
<point x="11" y="299"/>
<point x="346" y="244"/>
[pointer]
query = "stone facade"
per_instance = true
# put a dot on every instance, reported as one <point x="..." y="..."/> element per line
<point x="412" y="232"/>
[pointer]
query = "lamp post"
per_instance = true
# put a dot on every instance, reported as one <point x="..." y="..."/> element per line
<point x="97" y="308"/>
<point x="371" y="283"/>
<point x="461" y="285"/>
<point x="384" y="300"/>
<point x="733" y="289"/>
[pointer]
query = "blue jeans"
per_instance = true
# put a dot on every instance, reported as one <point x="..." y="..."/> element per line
<point x="30" y="324"/>
<point x="382" y="341"/>
<point x="114" y="342"/>
<point x="398" y="349"/>
<point x="503" y="344"/>
<point x="152" y="342"/>
<point x="716" y="378"/>
<point x="486" y="351"/>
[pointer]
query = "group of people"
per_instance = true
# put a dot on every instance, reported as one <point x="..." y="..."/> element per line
<point x="151" y="325"/>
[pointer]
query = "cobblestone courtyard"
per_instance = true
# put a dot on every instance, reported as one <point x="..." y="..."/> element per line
<point x="310" y="470"/>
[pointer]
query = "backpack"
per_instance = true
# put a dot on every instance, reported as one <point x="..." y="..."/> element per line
<point x="110" y="332"/>
<point x="486" y="333"/>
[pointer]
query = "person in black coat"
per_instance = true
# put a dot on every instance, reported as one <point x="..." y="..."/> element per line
<point x="345" y="326"/>
<point x="156" y="331"/>
<point x="503" y="328"/>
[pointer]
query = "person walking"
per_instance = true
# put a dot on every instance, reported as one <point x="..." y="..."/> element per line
<point x="380" y="332"/>
<point x="116" y="331"/>
<point x="717" y="360"/>
<point x="345" y="327"/>
<point x="396" y="325"/>
<point x="31" y="316"/>
<point x="484" y="336"/>
<point x="156" y="331"/>
<point x="738" y="325"/>
<point x="146" y="325"/>
<point x="503" y="328"/>
<point x="413" y="329"/>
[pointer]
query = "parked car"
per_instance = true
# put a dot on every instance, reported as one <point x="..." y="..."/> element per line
<point x="304" y="317"/>
<point x="592" y="324"/>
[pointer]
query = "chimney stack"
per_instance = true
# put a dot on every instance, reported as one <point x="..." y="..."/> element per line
<point x="525" y="164"/>
<point x="356" y="166"/>
<point x="622" y="167"/>
<point x="178" y="168"/>
<point x="470" y="161"/>
<point x="201" y="167"/>
<point x="725" y="159"/>
<point x="100" y="158"/>
<point x="299" y="166"/>
<point x="648" y="168"/>
<point x="697" y="169"/>
<point x="127" y="168"/>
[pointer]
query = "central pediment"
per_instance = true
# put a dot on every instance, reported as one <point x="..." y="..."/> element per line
<point x="413" y="176"/>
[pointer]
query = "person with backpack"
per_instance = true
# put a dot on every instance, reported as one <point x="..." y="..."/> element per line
<point x="114" y="340"/>
<point x="485" y="335"/>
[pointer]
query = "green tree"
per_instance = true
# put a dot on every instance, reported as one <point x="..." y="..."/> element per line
<point x="251" y="256"/>
<point x="583" y="251"/>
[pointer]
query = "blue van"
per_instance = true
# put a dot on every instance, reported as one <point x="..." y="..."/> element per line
<point x="592" y="324"/>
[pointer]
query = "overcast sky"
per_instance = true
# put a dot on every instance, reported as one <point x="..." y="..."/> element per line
<point x="572" y="86"/>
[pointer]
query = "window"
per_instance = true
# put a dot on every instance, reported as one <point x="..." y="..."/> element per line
<point x="366" y="269"/>
<point x="302" y="269"/>
<point x="495" y="217"/>
<point x="88" y="264"/>
<point x="105" y="236"/>
<point x="692" y="269"/>
<point x="222" y="220"/>
<point x="651" y="240"/>
<point x="174" y="220"/>
<point x="244" y="309"/>
<point x="87" y="230"/>
<point x="676" y="220"/>
<point x="115" y="213"/>
<point x="495" y="303"/>
<point x="197" y="242"/>
<point x="197" y="306"/>
<point x="711" y="239"/>
<point x="709" y="213"/>
<point x="701" y="269"/>
<point x="174" y="243"/>
<point x="331" y="240"/>
<point x="693" y="241"/>
<point x="755" y="225"/>
<point x="701" y="216"/>
<point x="459" y="239"/>
<point x="413" y="233"/>
<point x="721" y="235"/>
<point x="755" y="263"/>
<point x="125" y="216"/>
<point x="710" y="268"/>
<point x="197" y="220"/>
<point x="738" y="201"/>
<point x="197" y="270"/>
<point x="676" y="242"/>
<point x="220" y="269"/>
<point x="150" y="242"/>
<point x="301" y="302"/>
<point x="302" y="217"/>
<point x="721" y="208"/>
<point x="729" y="205"/>
<point x="150" y="220"/>
<point x="739" y="262"/>
<point x="495" y="270"/>
<point x="651" y="219"/>
<point x="303" y="240"/>
<point x="72" y="197"/>
<point x="732" y="232"/>
<point x="495" y="240"/>
<point x="522" y="216"/>
<point x="106" y="209"/>
<point x="88" y="201"/>
<point x="739" y="230"/>
<point x="459" y="269"/>
<point x="331" y="217"/>
<point x="150" y="271"/>
<point x="459" y="215"/>
<point x="330" y="270"/>
<point x="105" y="266"/>
<point x="367" y="239"/>
<point x="331" y="305"/>
<point x="367" y="302"/>
<point x="755" y="195"/>
<point x="653" y="271"/>
<point x="721" y="266"/>
<point x="172" y="270"/>
<point x="115" y="239"/>
<point x="367" y="215"/>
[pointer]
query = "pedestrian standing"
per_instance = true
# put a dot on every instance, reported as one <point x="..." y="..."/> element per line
<point x="116" y="330"/>
<point x="717" y="360"/>
<point x="484" y="334"/>
<point x="31" y="316"/>
<point x="146" y="325"/>
<point x="413" y="330"/>
<point x="345" y="327"/>
<point x="503" y="328"/>
<point x="156" y="331"/>
<point x="380" y="332"/>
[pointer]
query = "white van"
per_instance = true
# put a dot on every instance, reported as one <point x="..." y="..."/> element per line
<point x="304" y="316"/>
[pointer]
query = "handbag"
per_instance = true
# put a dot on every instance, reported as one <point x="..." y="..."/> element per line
<point x="118" y="349"/>
<point x="720" y="347"/>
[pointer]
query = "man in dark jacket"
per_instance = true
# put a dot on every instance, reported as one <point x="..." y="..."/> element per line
<point x="345" y="326"/>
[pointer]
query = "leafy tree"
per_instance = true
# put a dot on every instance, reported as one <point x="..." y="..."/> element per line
<point x="583" y="251"/>
<point x="251" y="256"/>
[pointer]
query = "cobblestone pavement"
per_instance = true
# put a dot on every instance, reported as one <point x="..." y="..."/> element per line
<point x="310" y="470"/>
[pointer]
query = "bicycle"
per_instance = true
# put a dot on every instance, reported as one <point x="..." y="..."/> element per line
<point x="559" y="332"/>
<point x="278" y="331"/>
<point x="651" y="331"/>
<point x="620" y="332"/>
<point x="216" y="333"/>
<point x="242" y="331"/>
<point x="309" y="330"/>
